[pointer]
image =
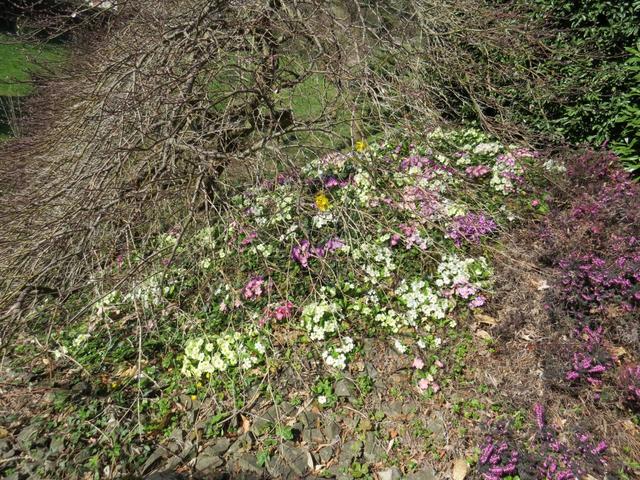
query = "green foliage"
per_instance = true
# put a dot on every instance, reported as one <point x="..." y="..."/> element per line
<point x="628" y="119"/>
<point x="589" y="94"/>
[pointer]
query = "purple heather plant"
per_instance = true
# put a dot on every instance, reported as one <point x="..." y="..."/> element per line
<point x="592" y="360"/>
<point x="544" y="457"/>
<point x="498" y="460"/>
<point x="630" y="383"/>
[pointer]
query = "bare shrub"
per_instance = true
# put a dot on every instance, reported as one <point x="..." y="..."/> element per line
<point x="145" y="128"/>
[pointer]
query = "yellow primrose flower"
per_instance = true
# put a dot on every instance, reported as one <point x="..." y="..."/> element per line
<point x="194" y="398"/>
<point x="361" y="145"/>
<point x="322" y="202"/>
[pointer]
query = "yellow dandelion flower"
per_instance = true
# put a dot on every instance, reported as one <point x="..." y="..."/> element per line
<point x="361" y="145"/>
<point x="322" y="202"/>
<point x="194" y="398"/>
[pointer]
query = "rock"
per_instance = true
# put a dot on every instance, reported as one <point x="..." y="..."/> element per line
<point x="157" y="454"/>
<point x="243" y="443"/>
<point x="5" y="446"/>
<point x="372" y="452"/>
<point x="283" y="409"/>
<point x="208" y="463"/>
<point x="248" y="462"/>
<point x="351" y="450"/>
<point x="426" y="474"/>
<point x="326" y="454"/>
<point x="309" y="419"/>
<point x="81" y="388"/>
<point x="168" y="475"/>
<point x="312" y="436"/>
<point x="278" y="468"/>
<point x="437" y="428"/>
<point x="345" y="388"/>
<point x="399" y="378"/>
<point x="393" y="410"/>
<point x="177" y="435"/>
<point x="369" y="345"/>
<point x="261" y="424"/>
<point x="56" y="447"/>
<point x="331" y="430"/>
<point x="299" y="459"/>
<point x="351" y="423"/>
<point x="371" y="370"/>
<point x="390" y="474"/>
<point x="27" y="437"/>
<point x="219" y="447"/>
<point x="8" y="454"/>
<point x="409" y="409"/>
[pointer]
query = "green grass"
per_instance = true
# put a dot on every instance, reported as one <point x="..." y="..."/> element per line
<point x="18" y="61"/>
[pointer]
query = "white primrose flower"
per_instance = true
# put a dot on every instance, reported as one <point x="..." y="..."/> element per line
<point x="400" y="348"/>
<point x="80" y="339"/>
<point x="225" y="351"/>
<point x="321" y="319"/>
<point x="323" y="219"/>
<point x="487" y="148"/>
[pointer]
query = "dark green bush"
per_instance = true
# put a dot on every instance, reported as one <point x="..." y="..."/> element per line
<point x="628" y="119"/>
<point x="594" y="93"/>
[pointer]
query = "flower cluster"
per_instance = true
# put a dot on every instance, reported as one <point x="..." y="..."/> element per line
<point x="303" y="251"/>
<point x="321" y="319"/>
<point x="421" y="302"/>
<point x="222" y="352"/>
<point x="376" y="260"/>
<point x="381" y="236"/>
<point x="507" y="174"/>
<point x="464" y="278"/>
<point x="253" y="288"/>
<point x="336" y="356"/>
<point x="411" y="236"/>
<point x="470" y="228"/>
<point x="596" y="243"/>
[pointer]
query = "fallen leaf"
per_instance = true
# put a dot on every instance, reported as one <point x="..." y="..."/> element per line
<point x="127" y="372"/>
<point x="618" y="352"/>
<point x="460" y="469"/>
<point x="486" y="319"/>
<point x="246" y="424"/>
<point x="542" y="285"/>
<point x="390" y="445"/>
<point x="4" y="432"/>
<point x="484" y="335"/>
